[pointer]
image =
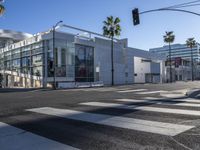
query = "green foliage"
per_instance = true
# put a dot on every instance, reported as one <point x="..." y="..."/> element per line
<point x="111" y="27"/>
<point x="2" y="9"/>
<point x="169" y="37"/>
<point x="190" y="42"/>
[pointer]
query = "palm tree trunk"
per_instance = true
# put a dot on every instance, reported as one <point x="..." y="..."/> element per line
<point x="192" y="71"/>
<point x="170" y="61"/>
<point x="112" y="61"/>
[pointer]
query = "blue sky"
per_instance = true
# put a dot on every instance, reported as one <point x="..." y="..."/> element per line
<point x="33" y="16"/>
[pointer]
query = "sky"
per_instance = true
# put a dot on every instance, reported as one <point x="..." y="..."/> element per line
<point x="33" y="16"/>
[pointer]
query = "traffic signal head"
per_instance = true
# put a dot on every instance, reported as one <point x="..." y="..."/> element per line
<point x="136" y="17"/>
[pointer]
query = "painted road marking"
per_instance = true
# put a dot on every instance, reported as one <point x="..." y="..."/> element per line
<point x="12" y="138"/>
<point x="180" y="100"/>
<point x="144" y="108"/>
<point x="151" y="92"/>
<point x="122" y="122"/>
<point x="129" y="91"/>
<point x="178" y="103"/>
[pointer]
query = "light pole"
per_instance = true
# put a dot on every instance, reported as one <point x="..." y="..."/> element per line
<point x="54" y="57"/>
<point x="170" y="61"/>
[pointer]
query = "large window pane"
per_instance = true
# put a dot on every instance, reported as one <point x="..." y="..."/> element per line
<point x="37" y="60"/>
<point x="37" y="71"/>
<point x="84" y="63"/>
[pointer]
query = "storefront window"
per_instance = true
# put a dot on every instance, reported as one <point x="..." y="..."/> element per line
<point x="25" y="61"/>
<point x="37" y="71"/>
<point x="84" y="63"/>
<point x="37" y="60"/>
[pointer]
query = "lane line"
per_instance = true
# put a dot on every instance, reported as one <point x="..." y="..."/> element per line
<point x="151" y="92"/>
<point x="178" y="103"/>
<point x="144" y="108"/>
<point x="122" y="122"/>
<point x="180" y="100"/>
<point x="14" y="138"/>
<point x="129" y="91"/>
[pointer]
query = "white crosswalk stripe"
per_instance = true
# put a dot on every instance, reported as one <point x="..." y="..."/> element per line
<point x="160" y="102"/>
<point x="144" y="108"/>
<point x="12" y="138"/>
<point x="122" y="122"/>
<point x="129" y="91"/>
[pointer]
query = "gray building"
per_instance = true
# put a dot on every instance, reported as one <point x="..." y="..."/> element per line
<point x="79" y="60"/>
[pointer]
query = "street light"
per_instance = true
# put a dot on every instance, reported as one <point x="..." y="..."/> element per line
<point x="54" y="62"/>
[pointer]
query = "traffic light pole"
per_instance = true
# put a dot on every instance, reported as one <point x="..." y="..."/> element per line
<point x="136" y="17"/>
<point x="136" y="21"/>
<point x="170" y="9"/>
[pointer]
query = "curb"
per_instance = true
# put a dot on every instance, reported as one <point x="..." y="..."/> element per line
<point x="193" y="93"/>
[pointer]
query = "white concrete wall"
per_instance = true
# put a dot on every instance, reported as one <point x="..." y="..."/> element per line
<point x="140" y="69"/>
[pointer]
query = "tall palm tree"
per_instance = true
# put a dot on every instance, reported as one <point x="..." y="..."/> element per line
<point x="2" y="9"/>
<point x="169" y="38"/>
<point x="191" y="43"/>
<point x="111" y="29"/>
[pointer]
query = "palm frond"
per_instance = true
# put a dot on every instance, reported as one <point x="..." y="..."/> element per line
<point x="111" y="27"/>
<point x="190" y="42"/>
<point x="2" y="9"/>
<point x="169" y="37"/>
<point x="117" y="20"/>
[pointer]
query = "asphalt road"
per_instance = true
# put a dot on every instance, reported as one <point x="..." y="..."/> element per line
<point x="138" y="117"/>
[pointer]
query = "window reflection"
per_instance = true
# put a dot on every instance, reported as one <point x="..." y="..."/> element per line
<point x="84" y="64"/>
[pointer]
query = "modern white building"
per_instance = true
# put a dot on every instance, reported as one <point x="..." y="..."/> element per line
<point x="80" y="59"/>
<point x="8" y="37"/>
<point x="147" y="70"/>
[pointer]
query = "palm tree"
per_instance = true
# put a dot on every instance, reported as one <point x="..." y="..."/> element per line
<point x="111" y="29"/>
<point x="2" y="9"/>
<point x="191" y="43"/>
<point x="169" y="38"/>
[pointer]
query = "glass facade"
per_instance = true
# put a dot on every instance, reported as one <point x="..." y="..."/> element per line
<point x="64" y="58"/>
<point x="24" y="59"/>
<point x="179" y="51"/>
<point x="72" y="61"/>
<point x="84" y="64"/>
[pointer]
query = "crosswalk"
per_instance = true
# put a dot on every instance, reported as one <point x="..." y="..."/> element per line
<point x="125" y="114"/>
<point x="122" y="122"/>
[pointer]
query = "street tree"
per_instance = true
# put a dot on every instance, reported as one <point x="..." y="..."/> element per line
<point x="2" y="9"/>
<point x="111" y="29"/>
<point x="190" y="42"/>
<point x="169" y="38"/>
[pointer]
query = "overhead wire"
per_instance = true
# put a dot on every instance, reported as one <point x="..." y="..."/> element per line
<point x="188" y="4"/>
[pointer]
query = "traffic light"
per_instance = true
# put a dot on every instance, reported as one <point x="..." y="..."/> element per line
<point x="136" y="17"/>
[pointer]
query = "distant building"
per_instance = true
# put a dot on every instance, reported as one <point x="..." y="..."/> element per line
<point x="181" y="61"/>
<point x="179" y="50"/>
<point x="79" y="60"/>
